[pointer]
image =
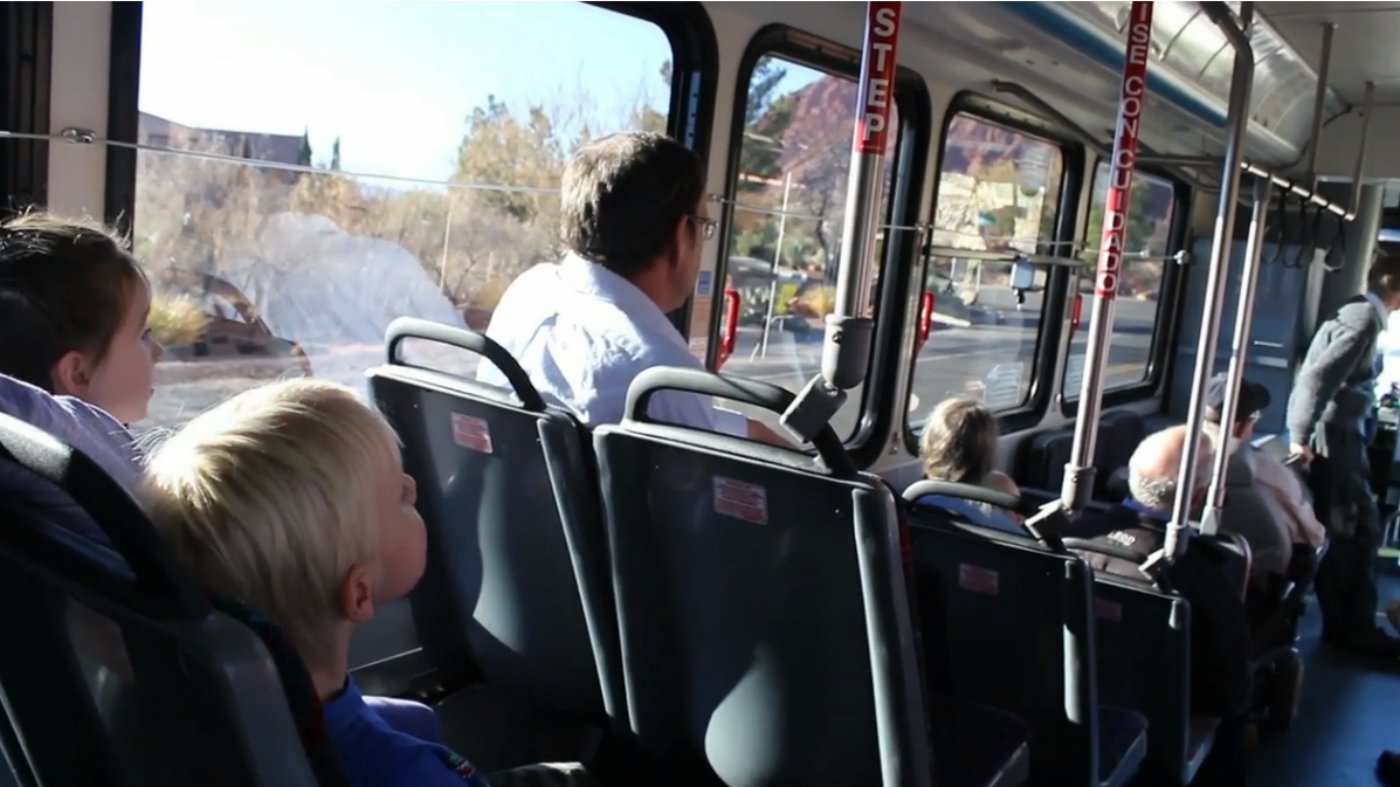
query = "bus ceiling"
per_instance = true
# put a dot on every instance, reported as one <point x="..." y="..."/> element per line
<point x="1067" y="51"/>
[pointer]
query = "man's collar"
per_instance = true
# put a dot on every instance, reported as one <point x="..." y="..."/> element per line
<point x="596" y="279"/>
<point x="599" y="281"/>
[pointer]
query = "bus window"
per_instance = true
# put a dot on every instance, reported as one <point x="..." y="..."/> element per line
<point x="998" y="190"/>
<point x="1150" y="207"/>
<point x="785" y="239"/>
<point x="433" y="184"/>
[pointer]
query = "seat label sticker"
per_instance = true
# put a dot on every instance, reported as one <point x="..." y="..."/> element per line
<point x="979" y="580"/>
<point x="1110" y="611"/>
<point x="744" y="501"/>
<point x="471" y="433"/>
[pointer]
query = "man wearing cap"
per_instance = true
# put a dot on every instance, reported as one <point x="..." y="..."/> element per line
<point x="1329" y="414"/>
<point x="1264" y="500"/>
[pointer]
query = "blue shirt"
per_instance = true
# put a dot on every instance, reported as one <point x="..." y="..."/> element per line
<point x="377" y="755"/>
<point x="583" y="333"/>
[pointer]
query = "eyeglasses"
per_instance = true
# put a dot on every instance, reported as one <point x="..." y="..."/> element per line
<point x="707" y="226"/>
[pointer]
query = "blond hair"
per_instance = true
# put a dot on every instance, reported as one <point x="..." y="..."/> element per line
<point x="268" y="498"/>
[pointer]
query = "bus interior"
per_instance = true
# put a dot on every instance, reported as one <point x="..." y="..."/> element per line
<point x="346" y="193"/>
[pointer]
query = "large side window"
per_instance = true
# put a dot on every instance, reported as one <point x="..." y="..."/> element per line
<point x="784" y="244"/>
<point x="998" y="192"/>
<point x="1151" y="204"/>
<point x="337" y="170"/>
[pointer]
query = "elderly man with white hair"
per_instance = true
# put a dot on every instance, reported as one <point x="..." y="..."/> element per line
<point x="1220" y="641"/>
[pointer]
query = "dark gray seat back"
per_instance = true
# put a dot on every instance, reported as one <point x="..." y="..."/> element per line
<point x="1007" y="623"/>
<point x="117" y="670"/>
<point x="762" y="601"/>
<point x="1144" y="662"/>
<point x="506" y="489"/>
<point x="1044" y="456"/>
<point x="1037" y="659"/>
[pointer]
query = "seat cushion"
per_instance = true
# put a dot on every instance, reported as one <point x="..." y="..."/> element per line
<point x="974" y="744"/>
<point x="1119" y="730"/>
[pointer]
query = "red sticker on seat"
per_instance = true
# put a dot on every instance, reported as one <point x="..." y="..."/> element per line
<point x="979" y="580"/>
<point x="472" y="433"/>
<point x="748" y="502"/>
<point x="1104" y="609"/>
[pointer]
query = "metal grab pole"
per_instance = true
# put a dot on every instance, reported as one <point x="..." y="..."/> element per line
<point x="1079" y="472"/>
<point x="777" y="260"/>
<point x="1368" y="107"/>
<point x="1239" y="351"/>
<point x="846" y="345"/>
<point x="1241" y="86"/>
<point x="871" y="136"/>
<point x="1324" y="68"/>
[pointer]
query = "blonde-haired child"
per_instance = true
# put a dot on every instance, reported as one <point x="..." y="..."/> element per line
<point x="292" y="497"/>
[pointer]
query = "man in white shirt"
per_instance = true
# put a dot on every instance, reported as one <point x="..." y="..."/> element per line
<point x="634" y="223"/>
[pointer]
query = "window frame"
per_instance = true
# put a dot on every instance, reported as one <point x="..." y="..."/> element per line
<point x="1168" y="306"/>
<point x="901" y="250"/>
<point x="690" y="115"/>
<point x="1049" y="331"/>
<point x="26" y="71"/>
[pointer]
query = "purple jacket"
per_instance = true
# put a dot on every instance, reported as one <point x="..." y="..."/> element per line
<point x="88" y="429"/>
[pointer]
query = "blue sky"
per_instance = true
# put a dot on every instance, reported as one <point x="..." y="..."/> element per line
<point x="394" y="80"/>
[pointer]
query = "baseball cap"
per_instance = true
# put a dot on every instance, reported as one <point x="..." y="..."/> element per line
<point x="1254" y="398"/>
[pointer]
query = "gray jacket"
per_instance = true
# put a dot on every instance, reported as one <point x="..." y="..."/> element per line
<point x="1337" y="380"/>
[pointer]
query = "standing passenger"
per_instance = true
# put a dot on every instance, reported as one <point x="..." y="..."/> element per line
<point x="1328" y="416"/>
<point x="634" y="222"/>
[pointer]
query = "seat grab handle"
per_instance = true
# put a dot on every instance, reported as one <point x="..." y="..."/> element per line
<point x="472" y="341"/>
<point x="751" y="392"/>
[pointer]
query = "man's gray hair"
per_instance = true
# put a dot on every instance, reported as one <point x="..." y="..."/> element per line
<point x="1157" y="489"/>
<point x="1158" y="494"/>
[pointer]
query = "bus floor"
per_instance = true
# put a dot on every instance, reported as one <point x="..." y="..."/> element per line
<point x="1349" y="713"/>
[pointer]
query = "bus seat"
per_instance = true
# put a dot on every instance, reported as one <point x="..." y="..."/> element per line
<point x="1043" y="463"/>
<point x="974" y="505"/>
<point x="1117" y="486"/>
<point x="125" y="672"/>
<point x="1274" y="620"/>
<point x="1044" y="458"/>
<point x="1037" y="661"/>
<point x="764" y="609"/>
<point x="1143" y="646"/>
<point x="1120" y="433"/>
<point x="12" y="765"/>
<point x="510" y="505"/>
<point x="1237" y="559"/>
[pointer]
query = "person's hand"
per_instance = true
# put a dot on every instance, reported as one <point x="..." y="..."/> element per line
<point x="1303" y="452"/>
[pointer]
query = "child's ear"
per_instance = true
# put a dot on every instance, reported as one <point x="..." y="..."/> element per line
<point x="72" y="375"/>
<point x="356" y="595"/>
